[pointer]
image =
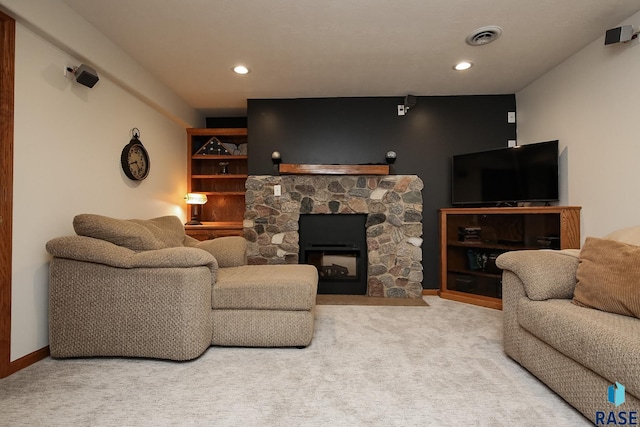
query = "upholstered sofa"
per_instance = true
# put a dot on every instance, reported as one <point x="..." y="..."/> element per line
<point x="142" y="288"/>
<point x="571" y="319"/>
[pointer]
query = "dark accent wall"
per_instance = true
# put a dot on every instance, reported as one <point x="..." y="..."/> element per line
<point x="362" y="130"/>
<point x="226" y="122"/>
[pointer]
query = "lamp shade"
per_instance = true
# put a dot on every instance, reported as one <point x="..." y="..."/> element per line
<point x="196" y="198"/>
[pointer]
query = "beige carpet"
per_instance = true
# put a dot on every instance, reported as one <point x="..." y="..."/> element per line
<point x="436" y="366"/>
<point x="331" y="299"/>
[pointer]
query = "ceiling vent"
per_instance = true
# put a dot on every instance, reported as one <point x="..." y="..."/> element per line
<point x="484" y="35"/>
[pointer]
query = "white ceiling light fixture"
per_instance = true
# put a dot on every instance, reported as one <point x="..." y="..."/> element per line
<point x="464" y="65"/>
<point x="240" y="69"/>
<point x="484" y="35"/>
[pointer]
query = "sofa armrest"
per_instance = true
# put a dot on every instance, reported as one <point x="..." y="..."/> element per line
<point x="545" y="274"/>
<point x="88" y="249"/>
<point x="230" y="251"/>
<point x="100" y="310"/>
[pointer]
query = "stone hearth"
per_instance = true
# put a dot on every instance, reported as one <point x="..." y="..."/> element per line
<point x="393" y="204"/>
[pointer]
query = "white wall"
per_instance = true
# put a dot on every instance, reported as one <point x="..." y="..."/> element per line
<point x="63" y="27"/>
<point x="591" y="103"/>
<point x="67" y="146"/>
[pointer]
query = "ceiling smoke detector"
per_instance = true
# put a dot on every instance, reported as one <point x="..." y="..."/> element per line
<point x="484" y="35"/>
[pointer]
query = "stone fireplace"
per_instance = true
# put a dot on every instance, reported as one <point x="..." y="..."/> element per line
<point x="392" y="204"/>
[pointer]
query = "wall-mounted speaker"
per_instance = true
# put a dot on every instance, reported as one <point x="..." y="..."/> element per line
<point x="409" y="101"/>
<point x="86" y="75"/>
<point x="619" y="34"/>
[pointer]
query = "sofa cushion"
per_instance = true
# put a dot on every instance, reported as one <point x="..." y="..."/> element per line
<point x="266" y="287"/>
<point x="630" y="235"/>
<point x="167" y="229"/>
<point x="120" y="232"/>
<point x="230" y="251"/>
<point x="604" y="342"/>
<point x="88" y="249"/>
<point x="608" y="277"/>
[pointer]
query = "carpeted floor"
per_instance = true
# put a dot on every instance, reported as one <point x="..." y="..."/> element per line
<point x="332" y="299"/>
<point x="440" y="365"/>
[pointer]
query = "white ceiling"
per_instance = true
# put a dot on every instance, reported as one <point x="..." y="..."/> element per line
<point x="346" y="48"/>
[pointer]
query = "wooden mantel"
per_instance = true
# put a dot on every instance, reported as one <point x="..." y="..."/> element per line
<point x="298" y="169"/>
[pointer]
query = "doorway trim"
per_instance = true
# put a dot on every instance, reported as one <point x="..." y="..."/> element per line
<point x="7" y="77"/>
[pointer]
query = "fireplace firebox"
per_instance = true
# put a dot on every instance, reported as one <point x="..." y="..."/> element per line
<point x="337" y="246"/>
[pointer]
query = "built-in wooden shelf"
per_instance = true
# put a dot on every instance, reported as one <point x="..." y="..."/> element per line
<point x="219" y="157"/>
<point x="220" y="176"/>
<point x="223" y="213"/>
<point x="213" y="230"/>
<point x="298" y="169"/>
<point x="217" y="225"/>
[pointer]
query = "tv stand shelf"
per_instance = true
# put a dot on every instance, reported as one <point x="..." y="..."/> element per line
<point x="471" y="239"/>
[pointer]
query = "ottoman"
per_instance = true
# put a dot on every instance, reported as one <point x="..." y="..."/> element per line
<point x="264" y="305"/>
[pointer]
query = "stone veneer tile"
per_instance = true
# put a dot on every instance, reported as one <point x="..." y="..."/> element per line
<point x="393" y="204"/>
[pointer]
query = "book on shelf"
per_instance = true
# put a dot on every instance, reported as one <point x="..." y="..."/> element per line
<point x="469" y="234"/>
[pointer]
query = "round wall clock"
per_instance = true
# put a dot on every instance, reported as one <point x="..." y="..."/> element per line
<point x="135" y="159"/>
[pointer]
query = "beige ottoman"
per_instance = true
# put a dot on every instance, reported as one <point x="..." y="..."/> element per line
<point x="264" y="305"/>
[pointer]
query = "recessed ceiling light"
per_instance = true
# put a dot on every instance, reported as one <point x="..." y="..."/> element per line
<point x="461" y="66"/>
<point x="240" y="69"/>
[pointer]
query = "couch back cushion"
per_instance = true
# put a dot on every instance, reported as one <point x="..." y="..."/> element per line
<point x="167" y="229"/>
<point x="608" y="277"/>
<point x="629" y="235"/>
<point x="137" y="235"/>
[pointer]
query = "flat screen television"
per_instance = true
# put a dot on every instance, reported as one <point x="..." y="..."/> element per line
<point x="526" y="173"/>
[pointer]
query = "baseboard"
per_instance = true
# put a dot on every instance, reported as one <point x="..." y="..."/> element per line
<point x="27" y="360"/>
<point x="429" y="292"/>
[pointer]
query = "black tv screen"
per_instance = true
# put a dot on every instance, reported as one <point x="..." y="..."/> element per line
<point x="526" y="173"/>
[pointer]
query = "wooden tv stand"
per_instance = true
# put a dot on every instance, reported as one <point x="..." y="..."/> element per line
<point x="471" y="238"/>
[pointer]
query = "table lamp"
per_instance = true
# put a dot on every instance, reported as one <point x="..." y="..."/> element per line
<point x="195" y="199"/>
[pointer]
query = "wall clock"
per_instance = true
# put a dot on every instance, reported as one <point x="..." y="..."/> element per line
<point x="134" y="158"/>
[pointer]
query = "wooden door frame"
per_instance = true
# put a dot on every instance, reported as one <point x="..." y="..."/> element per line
<point x="7" y="77"/>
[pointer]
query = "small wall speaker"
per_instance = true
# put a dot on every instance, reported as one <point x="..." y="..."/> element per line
<point x="86" y="76"/>
<point x="619" y="35"/>
<point x="409" y="101"/>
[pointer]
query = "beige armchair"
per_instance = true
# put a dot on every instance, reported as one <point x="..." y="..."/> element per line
<point x="142" y="288"/>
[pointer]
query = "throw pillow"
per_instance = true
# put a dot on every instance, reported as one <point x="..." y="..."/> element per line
<point x="117" y="231"/>
<point x="608" y="277"/>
